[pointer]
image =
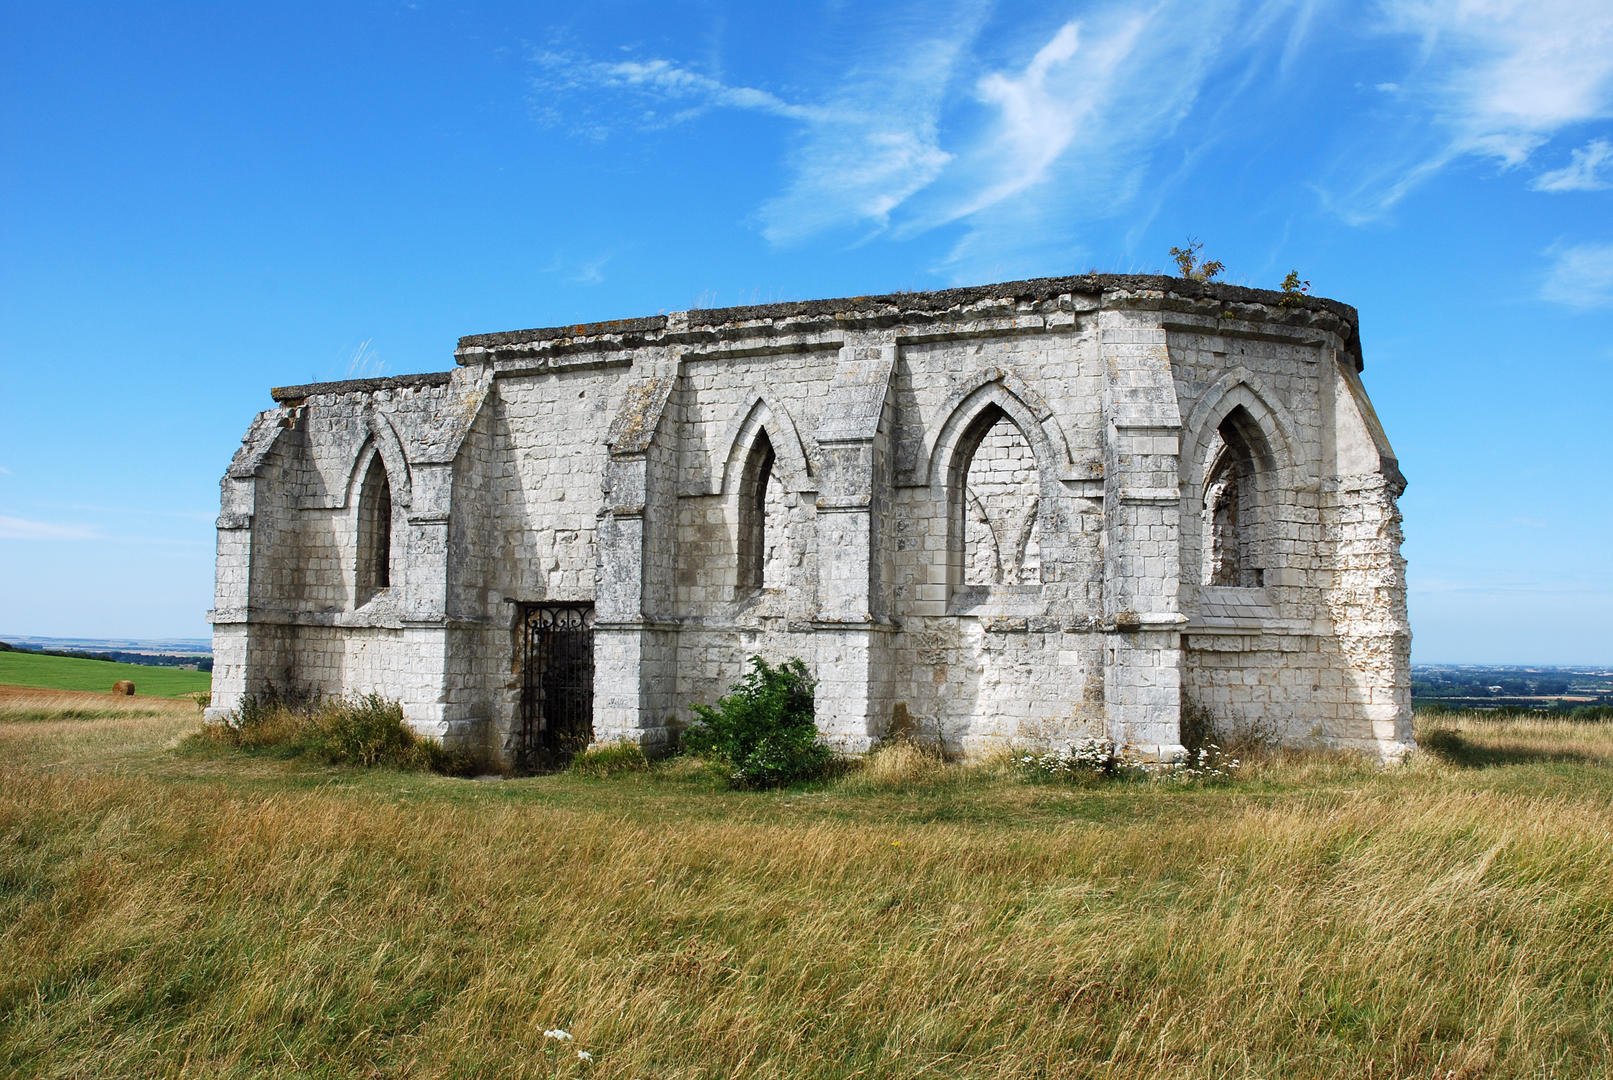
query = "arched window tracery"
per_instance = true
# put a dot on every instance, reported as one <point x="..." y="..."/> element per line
<point x="1236" y="503"/>
<point x="995" y="504"/>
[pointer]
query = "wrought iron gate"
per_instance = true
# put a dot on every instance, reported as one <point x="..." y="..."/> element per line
<point x="557" y="684"/>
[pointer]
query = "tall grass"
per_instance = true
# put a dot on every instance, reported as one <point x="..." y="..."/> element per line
<point x="1488" y="737"/>
<point x="166" y="914"/>
<point x="25" y="704"/>
<point x="366" y="731"/>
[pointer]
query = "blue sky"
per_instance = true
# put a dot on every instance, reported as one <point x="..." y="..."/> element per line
<point x="198" y="201"/>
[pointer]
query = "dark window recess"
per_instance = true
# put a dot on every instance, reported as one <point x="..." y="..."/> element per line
<point x="374" y="531"/>
<point x="754" y="526"/>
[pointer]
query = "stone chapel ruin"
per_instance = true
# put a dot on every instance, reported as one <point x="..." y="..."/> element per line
<point x="1018" y="514"/>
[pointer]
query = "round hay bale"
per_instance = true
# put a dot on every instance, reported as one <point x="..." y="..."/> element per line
<point x="124" y="687"/>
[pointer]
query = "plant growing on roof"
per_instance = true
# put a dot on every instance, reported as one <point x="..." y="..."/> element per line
<point x="1294" y="288"/>
<point x="1188" y="264"/>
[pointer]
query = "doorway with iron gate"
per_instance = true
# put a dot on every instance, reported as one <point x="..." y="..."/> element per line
<point x="556" y="643"/>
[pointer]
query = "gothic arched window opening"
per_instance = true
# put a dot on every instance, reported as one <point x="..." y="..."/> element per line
<point x="761" y="520"/>
<point x="374" y="531"/>
<point x="995" y="500"/>
<point x="1236" y="493"/>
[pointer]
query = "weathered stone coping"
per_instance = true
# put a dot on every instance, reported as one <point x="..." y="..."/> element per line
<point x="898" y="307"/>
<point x="886" y="309"/>
<point x="290" y="395"/>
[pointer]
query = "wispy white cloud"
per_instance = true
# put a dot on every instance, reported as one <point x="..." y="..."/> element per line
<point x="1492" y="79"/>
<point x="591" y="272"/>
<point x="1072" y="133"/>
<point x="879" y="141"/>
<point x="666" y="78"/>
<point x="911" y="127"/>
<point x="1505" y="74"/>
<point x="365" y="362"/>
<point x="566" y="89"/>
<point x="16" y="528"/>
<point x="856" y="170"/>
<point x="1583" y="171"/>
<point x="862" y="143"/>
<point x="1381" y="183"/>
<point x="1038" y="114"/>
<point x="1580" y="275"/>
<point x="913" y="130"/>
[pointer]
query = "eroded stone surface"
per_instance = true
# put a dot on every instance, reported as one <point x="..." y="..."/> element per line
<point x="1017" y="514"/>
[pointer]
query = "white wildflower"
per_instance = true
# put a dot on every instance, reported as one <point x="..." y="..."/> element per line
<point x="583" y="1055"/>
<point x="559" y="1034"/>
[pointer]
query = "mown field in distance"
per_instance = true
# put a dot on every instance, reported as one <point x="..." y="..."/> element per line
<point x="172" y="907"/>
<point x="75" y="673"/>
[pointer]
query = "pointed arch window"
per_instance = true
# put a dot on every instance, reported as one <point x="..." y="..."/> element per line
<point x="375" y="552"/>
<point x="994" y="495"/>
<point x="760" y="519"/>
<point x="1236" y="503"/>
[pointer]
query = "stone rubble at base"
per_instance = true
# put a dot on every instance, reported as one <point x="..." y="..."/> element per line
<point x="1014" y="515"/>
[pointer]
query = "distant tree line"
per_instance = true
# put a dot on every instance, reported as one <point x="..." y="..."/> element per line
<point x="1517" y="685"/>
<point x="1509" y="688"/>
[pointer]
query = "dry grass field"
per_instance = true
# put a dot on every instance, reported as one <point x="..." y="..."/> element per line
<point x="173" y="907"/>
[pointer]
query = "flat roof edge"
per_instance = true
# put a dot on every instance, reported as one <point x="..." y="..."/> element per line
<point x="1029" y="289"/>
<point x="285" y="394"/>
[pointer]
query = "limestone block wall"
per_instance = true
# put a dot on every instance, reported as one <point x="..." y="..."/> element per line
<point x="524" y="523"/>
<point x="994" y="514"/>
<point x="325" y="614"/>
<point x="544" y="481"/>
<point x="1002" y="646"/>
<point x="984" y="684"/>
<point x="726" y="406"/>
<point x="1001" y="543"/>
<point x="1287" y="687"/>
<point x="1367" y="608"/>
<point x="1142" y="617"/>
<point x="258" y="567"/>
<point x="232" y="645"/>
<point x="1316" y="652"/>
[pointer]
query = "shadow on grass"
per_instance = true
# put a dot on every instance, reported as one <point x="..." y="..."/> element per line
<point x="1456" y="749"/>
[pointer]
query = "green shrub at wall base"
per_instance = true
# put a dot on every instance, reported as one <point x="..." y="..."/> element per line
<point x="762" y="734"/>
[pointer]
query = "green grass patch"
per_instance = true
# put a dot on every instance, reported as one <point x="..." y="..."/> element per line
<point x="75" y="673"/>
<point x="609" y="761"/>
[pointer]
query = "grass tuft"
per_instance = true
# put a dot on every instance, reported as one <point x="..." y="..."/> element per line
<point x="604" y="762"/>
<point x="902" y="763"/>
<point x="367" y="731"/>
